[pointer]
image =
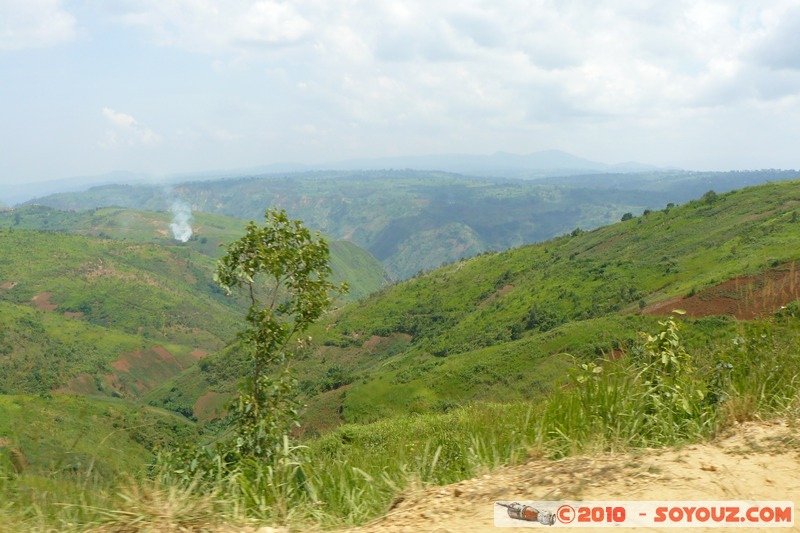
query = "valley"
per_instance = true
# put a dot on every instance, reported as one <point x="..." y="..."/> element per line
<point x="415" y="221"/>
<point x="109" y="323"/>
<point x="452" y="336"/>
<point x="273" y="266"/>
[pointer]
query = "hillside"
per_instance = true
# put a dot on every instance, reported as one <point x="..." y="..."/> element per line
<point x="88" y="318"/>
<point x="408" y="220"/>
<point x="63" y="439"/>
<point x="499" y="326"/>
<point x="96" y="315"/>
<point x="100" y="316"/>
<point x="415" y="221"/>
<point x="463" y="370"/>
<point x="349" y="263"/>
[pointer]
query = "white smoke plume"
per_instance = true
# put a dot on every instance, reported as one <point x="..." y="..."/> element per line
<point x="181" y="226"/>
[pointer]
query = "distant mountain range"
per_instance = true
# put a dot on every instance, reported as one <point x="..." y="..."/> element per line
<point x="547" y="163"/>
<point x="22" y="192"/>
<point x="414" y="220"/>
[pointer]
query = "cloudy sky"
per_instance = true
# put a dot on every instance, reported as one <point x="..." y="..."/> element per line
<point x="165" y="86"/>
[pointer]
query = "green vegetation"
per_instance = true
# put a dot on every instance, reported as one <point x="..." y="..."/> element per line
<point x="41" y="352"/>
<point x="466" y="331"/>
<point x="142" y="289"/>
<point x="415" y="221"/>
<point x="104" y="317"/>
<point x="164" y="296"/>
<point x="210" y="232"/>
<point x="284" y="271"/>
<point x="66" y="435"/>
<point x="590" y="275"/>
<point x="353" y="474"/>
<point x="61" y="455"/>
<point x="484" y="362"/>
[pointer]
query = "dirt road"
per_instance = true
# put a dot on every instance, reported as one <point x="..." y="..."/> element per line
<point x="753" y="461"/>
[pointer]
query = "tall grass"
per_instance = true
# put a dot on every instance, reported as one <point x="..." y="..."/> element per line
<point x="356" y="472"/>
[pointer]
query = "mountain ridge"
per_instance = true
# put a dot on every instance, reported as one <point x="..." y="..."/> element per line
<point x="535" y="163"/>
<point x="457" y="334"/>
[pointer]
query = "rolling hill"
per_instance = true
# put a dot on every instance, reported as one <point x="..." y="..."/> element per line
<point x="63" y="439"/>
<point x="501" y="332"/>
<point x="416" y="221"/>
<point x="102" y="316"/>
<point x="499" y="326"/>
<point x="117" y="306"/>
<point x="97" y="308"/>
<point x="349" y="263"/>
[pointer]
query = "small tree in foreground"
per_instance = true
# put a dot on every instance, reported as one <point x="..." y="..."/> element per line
<point x="284" y="272"/>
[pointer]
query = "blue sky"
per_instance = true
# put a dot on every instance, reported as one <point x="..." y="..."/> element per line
<point x="168" y="86"/>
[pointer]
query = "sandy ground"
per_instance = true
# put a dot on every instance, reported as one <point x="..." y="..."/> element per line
<point x="753" y="461"/>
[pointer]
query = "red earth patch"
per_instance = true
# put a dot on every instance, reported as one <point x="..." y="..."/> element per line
<point x="373" y="342"/>
<point x="505" y="289"/>
<point x="42" y="302"/>
<point x="83" y="385"/>
<point x="135" y="373"/>
<point x="210" y="405"/>
<point x="745" y="297"/>
<point x="198" y="353"/>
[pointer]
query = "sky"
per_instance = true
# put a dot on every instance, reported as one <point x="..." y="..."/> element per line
<point x="170" y="86"/>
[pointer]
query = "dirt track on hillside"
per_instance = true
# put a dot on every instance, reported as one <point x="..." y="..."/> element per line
<point x="753" y="461"/>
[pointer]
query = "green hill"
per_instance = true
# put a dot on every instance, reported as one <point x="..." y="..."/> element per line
<point x="99" y="316"/>
<point x="141" y="289"/>
<point x="88" y="318"/>
<point x="499" y="327"/>
<point x="51" y="447"/>
<point x="496" y="327"/>
<point x="416" y="221"/>
<point x="94" y="315"/>
<point x="350" y="263"/>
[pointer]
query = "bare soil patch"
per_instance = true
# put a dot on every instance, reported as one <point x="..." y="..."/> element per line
<point x="745" y="297"/>
<point x="502" y="291"/>
<point x="374" y="341"/>
<point x="210" y="406"/>
<point x="42" y="301"/>
<point x="8" y="285"/>
<point x="93" y="271"/>
<point x="198" y="353"/>
<point x="164" y="355"/>
<point x="753" y="461"/>
<point x="82" y="385"/>
<point x="126" y="361"/>
<point x="134" y="373"/>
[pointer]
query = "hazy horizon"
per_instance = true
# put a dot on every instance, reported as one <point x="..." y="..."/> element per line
<point x="186" y="86"/>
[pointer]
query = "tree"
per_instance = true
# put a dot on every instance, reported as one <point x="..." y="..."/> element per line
<point x="283" y="270"/>
<point x="710" y="197"/>
<point x="626" y="216"/>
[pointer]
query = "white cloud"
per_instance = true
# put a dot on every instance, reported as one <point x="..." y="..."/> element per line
<point x="354" y="77"/>
<point x="210" y="26"/>
<point x="126" y="131"/>
<point x="779" y="48"/>
<point x="119" y="119"/>
<point x="34" y="24"/>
